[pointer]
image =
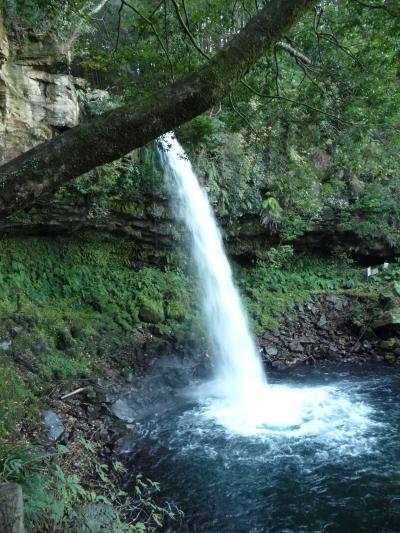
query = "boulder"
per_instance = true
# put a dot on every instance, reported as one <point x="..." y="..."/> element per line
<point x="52" y="424"/>
<point x="278" y="365"/>
<point x="6" y="345"/>
<point x="271" y="350"/>
<point x="296" y="346"/>
<point x="322" y="321"/>
<point x="387" y="324"/>
<point x="389" y="345"/>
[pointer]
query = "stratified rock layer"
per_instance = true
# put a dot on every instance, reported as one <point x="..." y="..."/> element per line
<point x="37" y="94"/>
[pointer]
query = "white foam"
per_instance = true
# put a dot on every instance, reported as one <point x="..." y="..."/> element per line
<point x="289" y="411"/>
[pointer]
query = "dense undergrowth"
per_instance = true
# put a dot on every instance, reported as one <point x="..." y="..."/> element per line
<point x="270" y="291"/>
<point x="69" y="311"/>
<point x="67" y="306"/>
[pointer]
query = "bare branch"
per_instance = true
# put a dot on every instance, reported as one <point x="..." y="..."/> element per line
<point x="241" y="115"/>
<point x="293" y="52"/>
<point x="148" y="21"/>
<point x="331" y="38"/>
<point x="187" y="31"/>
<point x="156" y="9"/>
<point x="186" y="14"/>
<point x="276" y="72"/>
<point x="121" y="7"/>
<point x="383" y="7"/>
<point x="295" y="102"/>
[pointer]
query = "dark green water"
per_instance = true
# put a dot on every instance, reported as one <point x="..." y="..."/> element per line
<point x="337" y="470"/>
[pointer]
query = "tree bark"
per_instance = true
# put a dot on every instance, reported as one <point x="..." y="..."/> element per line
<point x="116" y="133"/>
<point x="11" y="508"/>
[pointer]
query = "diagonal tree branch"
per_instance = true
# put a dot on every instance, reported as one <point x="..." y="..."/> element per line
<point x="121" y="130"/>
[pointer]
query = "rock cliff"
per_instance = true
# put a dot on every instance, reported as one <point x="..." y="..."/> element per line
<point x="37" y="93"/>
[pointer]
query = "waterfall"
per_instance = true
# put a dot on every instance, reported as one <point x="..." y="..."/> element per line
<point x="239" y="373"/>
<point x="238" y="396"/>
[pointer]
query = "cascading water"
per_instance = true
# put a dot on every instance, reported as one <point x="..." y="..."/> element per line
<point x="238" y="397"/>
<point x="239" y="371"/>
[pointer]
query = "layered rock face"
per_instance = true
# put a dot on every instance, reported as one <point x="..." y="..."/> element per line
<point x="37" y="94"/>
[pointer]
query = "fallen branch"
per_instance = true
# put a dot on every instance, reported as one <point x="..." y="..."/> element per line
<point x="73" y="393"/>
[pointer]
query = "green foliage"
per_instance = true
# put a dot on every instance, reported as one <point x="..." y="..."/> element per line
<point x="231" y="171"/>
<point x="151" y="310"/>
<point x="376" y="213"/>
<point x="58" y="366"/>
<point x="70" y="490"/>
<point x="48" y="18"/>
<point x="201" y="130"/>
<point x="279" y="257"/>
<point x="95" y="281"/>
<point x="271" y="214"/>
<point x="67" y="305"/>
<point x="269" y="291"/>
<point x="16" y="401"/>
<point x="123" y="186"/>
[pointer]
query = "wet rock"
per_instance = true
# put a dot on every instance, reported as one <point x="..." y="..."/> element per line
<point x="296" y="346"/>
<point x="16" y="330"/>
<point x="6" y="345"/>
<point x="388" y="323"/>
<point x="52" y="424"/>
<point x="336" y="301"/>
<point x="326" y="330"/>
<point x="322" y="322"/>
<point x="157" y="346"/>
<point x="389" y="345"/>
<point x="278" y="365"/>
<point x="390" y="358"/>
<point x="102" y="434"/>
<point x="128" y="376"/>
<point x="122" y="410"/>
<point x="332" y="352"/>
<point x="271" y="351"/>
<point x="307" y="340"/>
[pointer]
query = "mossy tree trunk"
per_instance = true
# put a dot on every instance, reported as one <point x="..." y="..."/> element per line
<point x="116" y="133"/>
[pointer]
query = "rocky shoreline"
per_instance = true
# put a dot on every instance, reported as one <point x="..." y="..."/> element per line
<point x="325" y="328"/>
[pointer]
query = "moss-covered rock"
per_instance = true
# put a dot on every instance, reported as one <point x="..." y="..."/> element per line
<point x="151" y="311"/>
<point x="389" y="345"/>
